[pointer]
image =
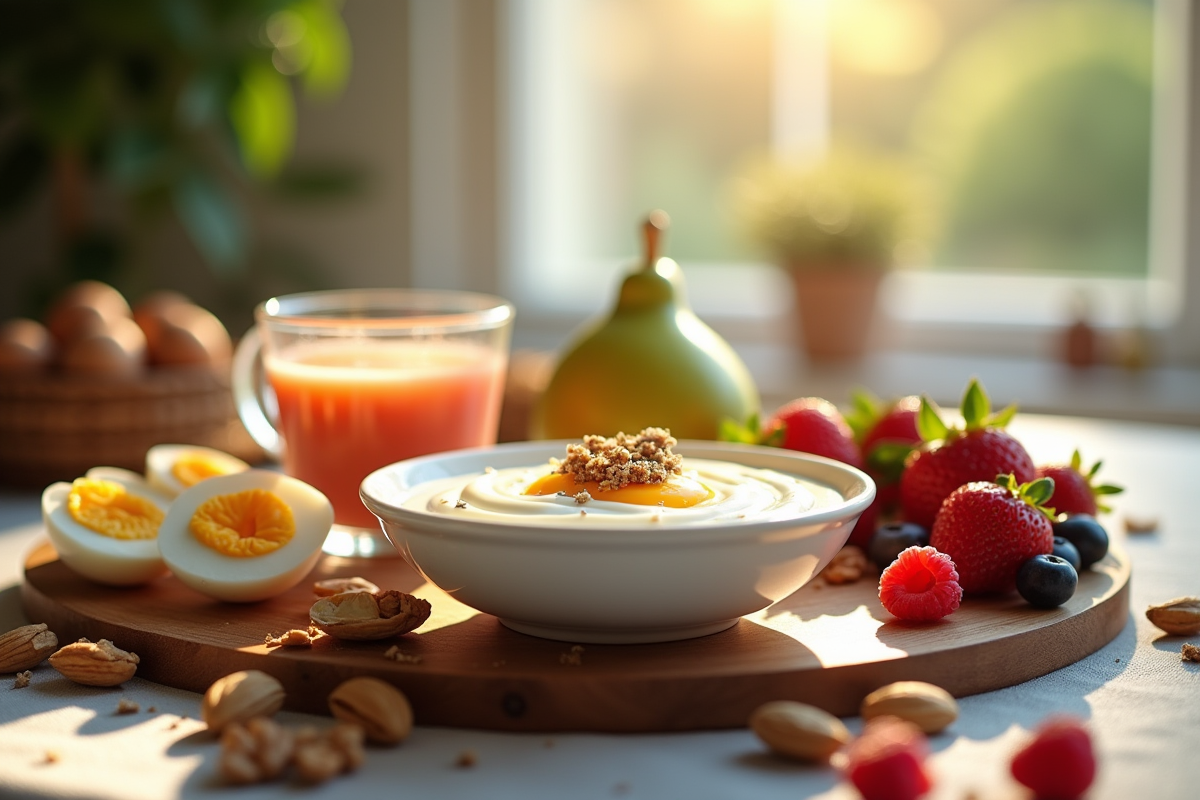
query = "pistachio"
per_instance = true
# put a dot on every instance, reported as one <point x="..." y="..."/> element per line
<point x="929" y="707"/>
<point x="799" y="731"/>
<point x="363" y="616"/>
<point x="95" y="663"/>
<point x="26" y="647"/>
<point x="240" y="697"/>
<point x="1178" y="617"/>
<point x="380" y="708"/>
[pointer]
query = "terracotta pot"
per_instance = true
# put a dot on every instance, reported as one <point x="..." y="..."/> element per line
<point x="835" y="309"/>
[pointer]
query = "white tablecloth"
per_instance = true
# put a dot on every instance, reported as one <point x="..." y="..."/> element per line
<point x="1140" y="700"/>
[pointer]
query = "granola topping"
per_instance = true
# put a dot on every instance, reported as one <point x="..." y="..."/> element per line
<point x="623" y="459"/>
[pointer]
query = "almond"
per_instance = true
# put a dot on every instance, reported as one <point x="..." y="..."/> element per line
<point x="1178" y="617"/>
<point x="364" y="616"/>
<point x="929" y="707"/>
<point x="380" y="708"/>
<point x="26" y="647"/>
<point x="239" y="697"/>
<point x="799" y="731"/>
<point x="95" y="663"/>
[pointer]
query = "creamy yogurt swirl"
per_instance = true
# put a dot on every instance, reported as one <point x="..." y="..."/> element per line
<point x="739" y="493"/>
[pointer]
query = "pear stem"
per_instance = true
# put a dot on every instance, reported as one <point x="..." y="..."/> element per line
<point x="652" y="229"/>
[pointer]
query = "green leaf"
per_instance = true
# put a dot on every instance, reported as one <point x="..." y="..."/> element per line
<point x="730" y="430"/>
<point x="24" y="164"/>
<point x="1077" y="461"/>
<point x="213" y="220"/>
<point x="263" y="116"/>
<point x="975" y="406"/>
<point x="1108" y="488"/>
<point x="929" y="421"/>
<point x="1092" y="472"/>
<point x="1002" y="417"/>
<point x="1038" y="491"/>
<point x="887" y="459"/>
<point x="328" y="44"/>
<point x="864" y="413"/>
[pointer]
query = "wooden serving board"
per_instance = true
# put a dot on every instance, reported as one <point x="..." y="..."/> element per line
<point x="825" y="645"/>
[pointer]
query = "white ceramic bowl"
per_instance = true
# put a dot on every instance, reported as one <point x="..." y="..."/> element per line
<point x="617" y="585"/>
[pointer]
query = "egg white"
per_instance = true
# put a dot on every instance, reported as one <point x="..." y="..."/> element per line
<point x="162" y="457"/>
<point x="133" y="482"/>
<point x="103" y="559"/>
<point x="245" y="580"/>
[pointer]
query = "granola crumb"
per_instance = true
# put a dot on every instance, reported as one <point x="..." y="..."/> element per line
<point x="1190" y="653"/>
<point x="394" y="653"/>
<point x="23" y="679"/>
<point x="53" y="757"/>
<point x="461" y="504"/>
<point x="582" y="513"/>
<point x="582" y="497"/>
<point x="574" y="658"/>
<point x="846" y="567"/>
<point x="466" y="759"/>
<point x="623" y="459"/>
<point x="127" y="706"/>
<point x="296" y="638"/>
<point x="151" y="710"/>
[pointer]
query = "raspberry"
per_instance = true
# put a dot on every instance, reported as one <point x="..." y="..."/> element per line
<point x="1058" y="764"/>
<point x="920" y="585"/>
<point x="888" y="761"/>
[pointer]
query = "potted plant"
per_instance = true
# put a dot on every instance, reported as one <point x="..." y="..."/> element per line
<point x="833" y="223"/>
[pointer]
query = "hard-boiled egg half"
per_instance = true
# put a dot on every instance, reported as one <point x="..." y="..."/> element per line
<point x="171" y="468"/>
<point x="105" y="526"/>
<point x="246" y="536"/>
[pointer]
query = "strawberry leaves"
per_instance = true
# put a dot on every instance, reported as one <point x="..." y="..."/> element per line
<point x="976" y="409"/>
<point x="1035" y="493"/>
<point x="750" y="432"/>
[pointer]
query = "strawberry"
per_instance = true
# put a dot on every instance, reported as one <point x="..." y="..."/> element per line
<point x="886" y="434"/>
<point x="1059" y="761"/>
<point x="989" y="529"/>
<point x="808" y="424"/>
<point x="951" y="457"/>
<point x="1074" y="492"/>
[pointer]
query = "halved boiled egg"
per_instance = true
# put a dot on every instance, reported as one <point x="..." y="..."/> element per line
<point x="106" y="528"/>
<point x="245" y="536"/>
<point x="678" y="491"/>
<point x="171" y="468"/>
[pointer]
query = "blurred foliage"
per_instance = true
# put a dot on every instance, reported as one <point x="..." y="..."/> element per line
<point x="180" y="107"/>
<point x="1038" y="132"/>
<point x="850" y="207"/>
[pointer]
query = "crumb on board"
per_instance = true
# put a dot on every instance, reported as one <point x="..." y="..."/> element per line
<point x="1190" y="653"/>
<point x="394" y="653"/>
<point x="623" y="459"/>
<point x="126" y="706"/>
<point x="293" y="638"/>
<point x="846" y="567"/>
<point x="22" y="679"/>
<point x="573" y="658"/>
<point x="466" y="759"/>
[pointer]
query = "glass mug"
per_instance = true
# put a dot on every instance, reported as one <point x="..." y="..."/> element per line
<point x="360" y="379"/>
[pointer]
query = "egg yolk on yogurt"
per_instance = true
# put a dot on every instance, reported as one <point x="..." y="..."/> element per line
<point x="676" y="492"/>
<point x="244" y="524"/>
<point x="192" y="468"/>
<point x="107" y="508"/>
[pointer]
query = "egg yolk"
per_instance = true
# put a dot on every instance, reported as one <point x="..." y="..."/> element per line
<point x="244" y="524"/>
<point x="106" y="508"/>
<point x="677" y="492"/>
<point x="192" y="468"/>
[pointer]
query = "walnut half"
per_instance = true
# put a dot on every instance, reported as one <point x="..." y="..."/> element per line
<point x="363" y="616"/>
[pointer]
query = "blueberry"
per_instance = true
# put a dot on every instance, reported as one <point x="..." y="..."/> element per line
<point x="890" y="539"/>
<point x="1088" y="536"/>
<point x="1065" y="550"/>
<point x="1047" y="581"/>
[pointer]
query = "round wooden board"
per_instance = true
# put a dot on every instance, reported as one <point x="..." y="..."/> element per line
<point x="825" y="645"/>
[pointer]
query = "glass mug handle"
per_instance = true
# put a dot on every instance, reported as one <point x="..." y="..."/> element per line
<point x="253" y="406"/>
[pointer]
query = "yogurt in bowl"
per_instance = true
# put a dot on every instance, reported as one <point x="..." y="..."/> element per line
<point x="600" y="570"/>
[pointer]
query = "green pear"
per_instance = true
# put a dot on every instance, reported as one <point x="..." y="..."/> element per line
<point x="651" y="362"/>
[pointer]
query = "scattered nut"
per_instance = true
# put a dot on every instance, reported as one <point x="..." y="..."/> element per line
<point x="23" y="679"/>
<point x="380" y="708"/>
<point x="127" y="707"/>
<point x="293" y="638"/>
<point x="929" y="707"/>
<point x="332" y="586"/>
<point x="239" y="697"/>
<point x="1178" y="617"/>
<point x="257" y="750"/>
<point x="1190" y="652"/>
<point x="1139" y="525"/>
<point x="799" y="731"/>
<point x="95" y="664"/>
<point x="26" y="647"/>
<point x="846" y="567"/>
<point x="362" y="616"/>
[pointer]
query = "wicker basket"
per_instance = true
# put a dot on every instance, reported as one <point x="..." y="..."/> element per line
<point x="57" y="427"/>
